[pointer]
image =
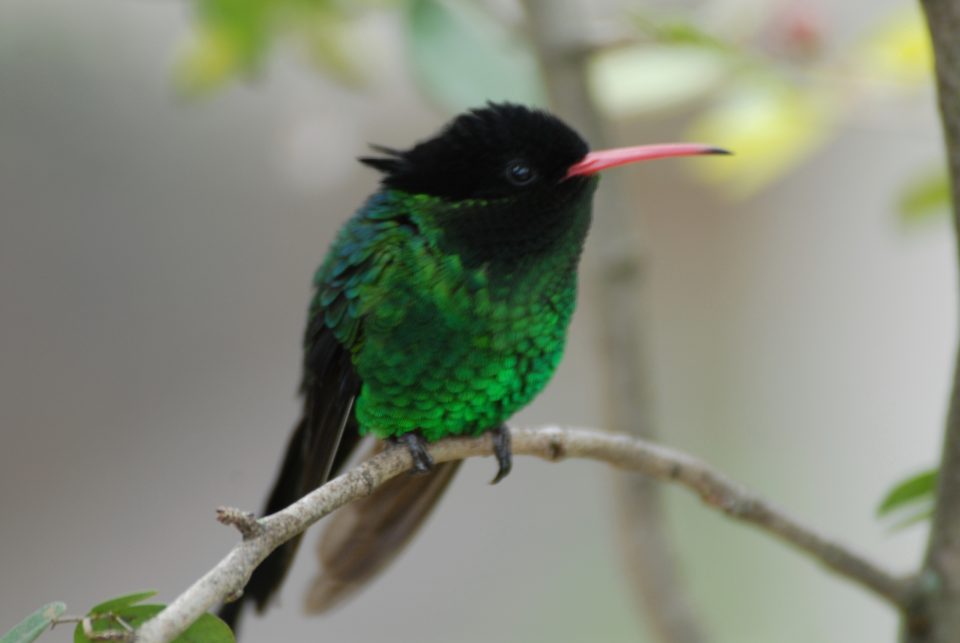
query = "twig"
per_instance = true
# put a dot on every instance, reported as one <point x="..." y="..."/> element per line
<point x="124" y="634"/>
<point x="245" y="521"/>
<point x="551" y="443"/>
<point x="934" y="617"/>
<point x="86" y="622"/>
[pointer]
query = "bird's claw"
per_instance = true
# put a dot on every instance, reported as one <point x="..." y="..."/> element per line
<point x="416" y="444"/>
<point x="503" y="451"/>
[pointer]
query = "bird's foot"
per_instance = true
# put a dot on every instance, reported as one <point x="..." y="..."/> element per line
<point x="503" y="451"/>
<point x="416" y="444"/>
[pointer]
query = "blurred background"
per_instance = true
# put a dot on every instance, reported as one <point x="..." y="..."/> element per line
<point x="171" y="173"/>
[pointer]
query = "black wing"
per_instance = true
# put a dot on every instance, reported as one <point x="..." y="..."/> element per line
<point x="328" y="432"/>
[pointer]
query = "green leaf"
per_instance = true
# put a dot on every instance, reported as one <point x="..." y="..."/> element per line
<point x="925" y="196"/>
<point x="132" y="615"/>
<point x="121" y="602"/>
<point x="915" y="489"/>
<point x="207" y="629"/>
<point x="462" y="57"/>
<point x="914" y="517"/>
<point x="109" y="614"/>
<point x="30" y="628"/>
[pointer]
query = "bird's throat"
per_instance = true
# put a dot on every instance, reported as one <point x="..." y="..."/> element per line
<point x="507" y="237"/>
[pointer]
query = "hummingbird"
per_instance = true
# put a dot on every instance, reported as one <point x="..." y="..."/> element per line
<point x="441" y="309"/>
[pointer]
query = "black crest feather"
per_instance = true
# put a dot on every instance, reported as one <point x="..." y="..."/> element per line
<point x="467" y="157"/>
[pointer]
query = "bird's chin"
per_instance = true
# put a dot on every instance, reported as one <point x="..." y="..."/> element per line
<point x="573" y="188"/>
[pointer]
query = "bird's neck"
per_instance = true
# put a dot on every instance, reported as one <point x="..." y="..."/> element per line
<point x="515" y="239"/>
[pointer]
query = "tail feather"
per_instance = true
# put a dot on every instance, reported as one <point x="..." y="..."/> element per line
<point x="364" y="537"/>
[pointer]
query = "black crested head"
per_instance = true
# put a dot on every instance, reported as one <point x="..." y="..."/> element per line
<point x="497" y="151"/>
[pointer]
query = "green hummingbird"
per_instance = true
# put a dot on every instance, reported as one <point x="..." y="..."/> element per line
<point x="441" y="309"/>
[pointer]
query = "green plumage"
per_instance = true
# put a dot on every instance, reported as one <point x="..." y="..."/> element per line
<point x="448" y="342"/>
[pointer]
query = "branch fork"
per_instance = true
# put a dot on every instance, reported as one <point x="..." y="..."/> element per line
<point x="245" y="521"/>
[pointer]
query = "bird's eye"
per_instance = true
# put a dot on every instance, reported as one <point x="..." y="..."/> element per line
<point x="519" y="173"/>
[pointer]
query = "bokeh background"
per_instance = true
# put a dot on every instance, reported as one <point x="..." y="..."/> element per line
<point x="163" y="203"/>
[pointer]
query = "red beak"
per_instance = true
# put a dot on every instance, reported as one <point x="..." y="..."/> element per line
<point x="603" y="159"/>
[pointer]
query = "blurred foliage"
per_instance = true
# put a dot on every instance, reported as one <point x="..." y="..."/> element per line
<point x="773" y="91"/>
<point x="119" y="614"/>
<point x="911" y="500"/>
<point x="926" y="196"/>
<point x="462" y="57"/>
<point x="772" y="94"/>
<point x="460" y="54"/>
<point x="30" y="628"/>
<point x="898" y="49"/>
<point x="674" y="31"/>
<point x="233" y="38"/>
<point x="771" y="125"/>
<point x="647" y="79"/>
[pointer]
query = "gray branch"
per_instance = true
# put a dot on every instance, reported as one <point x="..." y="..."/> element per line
<point x="229" y="576"/>
<point x="934" y="615"/>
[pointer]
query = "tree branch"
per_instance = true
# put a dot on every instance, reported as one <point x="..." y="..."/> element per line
<point x="229" y="576"/>
<point x="935" y="615"/>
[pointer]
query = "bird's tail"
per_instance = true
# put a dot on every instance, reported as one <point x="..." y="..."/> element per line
<point x="364" y="537"/>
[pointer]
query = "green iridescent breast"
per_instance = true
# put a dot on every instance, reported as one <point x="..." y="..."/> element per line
<point x="440" y="347"/>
